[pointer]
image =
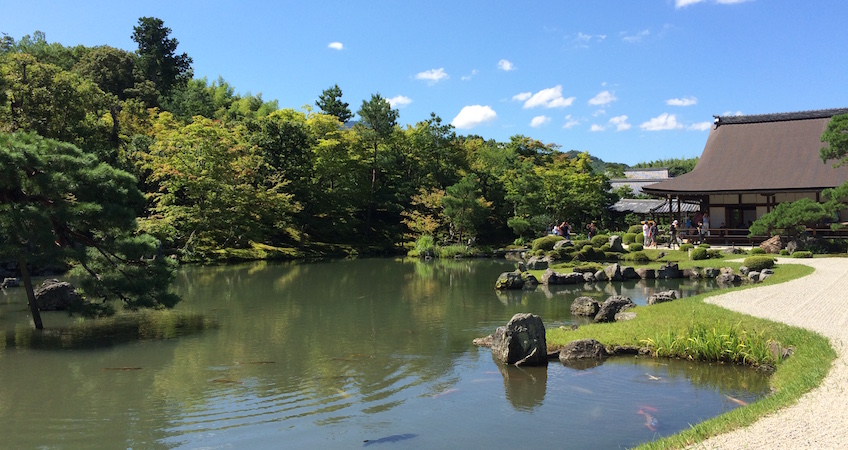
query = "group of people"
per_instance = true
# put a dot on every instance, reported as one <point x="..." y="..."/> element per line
<point x="650" y="231"/>
<point x="564" y="230"/>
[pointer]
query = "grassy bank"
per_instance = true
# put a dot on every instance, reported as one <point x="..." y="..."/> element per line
<point x="686" y="320"/>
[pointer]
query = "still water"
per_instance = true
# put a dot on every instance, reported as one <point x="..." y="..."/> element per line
<point x="370" y="353"/>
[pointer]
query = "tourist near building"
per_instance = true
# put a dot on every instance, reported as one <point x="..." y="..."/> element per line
<point x="752" y="163"/>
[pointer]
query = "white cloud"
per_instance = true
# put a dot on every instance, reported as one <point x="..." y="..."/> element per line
<point x="548" y="98"/>
<point x="684" y="3"/>
<point x="596" y="127"/>
<point x="471" y="116"/>
<point x="522" y="96"/>
<point x="731" y="113"/>
<point x="686" y="101"/>
<point x="664" y="121"/>
<point x="538" y="121"/>
<point x="583" y="39"/>
<point x="469" y="76"/>
<point x="620" y="123"/>
<point x="432" y="76"/>
<point x="399" y="101"/>
<point x="700" y="126"/>
<point x="336" y="46"/>
<point x="505" y="65"/>
<point x="570" y="122"/>
<point x="599" y="112"/>
<point x="603" y="98"/>
<point x="633" y="38"/>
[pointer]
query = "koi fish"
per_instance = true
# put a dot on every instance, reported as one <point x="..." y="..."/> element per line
<point x="736" y="400"/>
<point x="650" y="421"/>
<point x="446" y="392"/>
<point x="392" y="438"/>
<point x="652" y="378"/>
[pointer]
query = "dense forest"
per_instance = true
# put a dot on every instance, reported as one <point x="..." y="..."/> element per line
<point x="223" y="173"/>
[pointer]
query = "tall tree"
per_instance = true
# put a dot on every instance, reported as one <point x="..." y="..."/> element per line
<point x="60" y="204"/>
<point x="465" y="207"/>
<point x="330" y="102"/>
<point x="157" y="55"/>
<point x="378" y="121"/>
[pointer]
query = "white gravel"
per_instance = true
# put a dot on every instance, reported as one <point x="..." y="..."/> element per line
<point x="817" y="302"/>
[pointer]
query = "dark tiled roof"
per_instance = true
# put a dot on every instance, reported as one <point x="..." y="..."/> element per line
<point x="761" y="154"/>
<point x="781" y="117"/>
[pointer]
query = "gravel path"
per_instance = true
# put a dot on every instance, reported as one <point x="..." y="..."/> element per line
<point x="817" y="302"/>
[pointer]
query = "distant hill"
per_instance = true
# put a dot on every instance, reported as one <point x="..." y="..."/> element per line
<point x="676" y="166"/>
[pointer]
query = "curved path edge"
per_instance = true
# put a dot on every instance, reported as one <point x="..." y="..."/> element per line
<point x="817" y="302"/>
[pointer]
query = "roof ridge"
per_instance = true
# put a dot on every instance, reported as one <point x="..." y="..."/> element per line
<point x="780" y="117"/>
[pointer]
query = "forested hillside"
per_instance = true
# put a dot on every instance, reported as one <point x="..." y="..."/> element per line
<point x="221" y="170"/>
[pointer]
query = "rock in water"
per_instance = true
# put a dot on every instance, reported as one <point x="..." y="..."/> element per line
<point x="521" y="341"/>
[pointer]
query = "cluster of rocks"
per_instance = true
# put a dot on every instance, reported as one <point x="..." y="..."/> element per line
<point x="522" y="343"/>
<point x="520" y="278"/>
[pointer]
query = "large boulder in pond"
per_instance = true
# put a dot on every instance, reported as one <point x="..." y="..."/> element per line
<point x="646" y="274"/>
<point x="521" y="341"/>
<point x="585" y="306"/>
<point x="582" y="349"/>
<point x="55" y="295"/>
<point x="516" y="280"/>
<point x="613" y="272"/>
<point x="668" y="271"/>
<point x="538" y="263"/>
<point x="612" y="306"/>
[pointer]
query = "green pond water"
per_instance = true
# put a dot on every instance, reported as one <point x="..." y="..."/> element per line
<point x="370" y="353"/>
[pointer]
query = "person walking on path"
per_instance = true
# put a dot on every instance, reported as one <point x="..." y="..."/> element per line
<point x="815" y="302"/>
<point x="672" y="235"/>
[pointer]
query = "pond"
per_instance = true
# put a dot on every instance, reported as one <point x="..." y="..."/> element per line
<point x="346" y="354"/>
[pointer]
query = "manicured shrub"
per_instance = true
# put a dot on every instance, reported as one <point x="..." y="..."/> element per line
<point x="587" y="267"/>
<point x="698" y="254"/>
<point x="605" y="248"/>
<point x="686" y="247"/>
<point x="758" y="263"/>
<point x="600" y="240"/>
<point x="704" y="245"/>
<point x="639" y="239"/>
<point x="757" y="251"/>
<point x="637" y="257"/>
<point x="635" y="229"/>
<point x="803" y="254"/>
<point x="546" y="242"/>
<point x="590" y="253"/>
<point x="635" y="247"/>
<point x="628" y="238"/>
<point x="579" y="244"/>
<point x="784" y="252"/>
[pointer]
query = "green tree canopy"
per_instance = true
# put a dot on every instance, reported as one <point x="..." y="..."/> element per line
<point x="158" y="60"/>
<point x="60" y="204"/>
<point x="330" y="102"/>
<point x="836" y="135"/>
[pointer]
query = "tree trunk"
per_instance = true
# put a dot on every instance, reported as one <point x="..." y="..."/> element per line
<point x="33" y="306"/>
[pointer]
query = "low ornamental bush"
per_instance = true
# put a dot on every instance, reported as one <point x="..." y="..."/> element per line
<point x="686" y="247"/>
<point x="636" y="247"/>
<point x="546" y="242"/>
<point x="637" y="257"/>
<point x="802" y="254"/>
<point x="704" y="245"/>
<point x="635" y="229"/>
<point x="600" y="240"/>
<point x="698" y="254"/>
<point x="758" y="263"/>
<point x="628" y="238"/>
<point x="757" y="251"/>
<point x="784" y="252"/>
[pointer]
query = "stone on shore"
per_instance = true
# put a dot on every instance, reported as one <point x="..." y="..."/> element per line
<point x="582" y="349"/>
<point x="521" y="341"/>
<point x="612" y="306"/>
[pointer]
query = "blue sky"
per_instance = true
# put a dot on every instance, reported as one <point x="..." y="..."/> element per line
<point x="627" y="81"/>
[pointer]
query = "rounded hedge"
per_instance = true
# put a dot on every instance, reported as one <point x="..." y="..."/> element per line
<point x="628" y="238"/>
<point x="635" y="229"/>
<point x="698" y="254"/>
<point x="600" y="240"/>
<point x="704" y="245"/>
<point x="758" y="263"/>
<point x="546" y="242"/>
<point x="637" y="257"/>
<point x="757" y="251"/>
<point x="686" y="247"/>
<point x="784" y="252"/>
<point x="803" y="254"/>
<point x="635" y="247"/>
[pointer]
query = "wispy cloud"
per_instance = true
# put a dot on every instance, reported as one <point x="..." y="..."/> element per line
<point x="603" y="98"/>
<point x="684" y="3"/>
<point x="620" y="123"/>
<point x="548" y="98"/>
<point x="700" y="126"/>
<point x="634" y="38"/>
<point x="664" y="121"/>
<point x="432" y="76"/>
<point x="472" y="116"/>
<point x="505" y="65"/>
<point x="731" y="113"/>
<point x="336" y="46"/>
<point x="686" y="101"/>
<point x="538" y="121"/>
<point x="399" y="101"/>
<point x="596" y="128"/>
<point x="470" y="75"/>
<point x="570" y="122"/>
<point x="583" y="39"/>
